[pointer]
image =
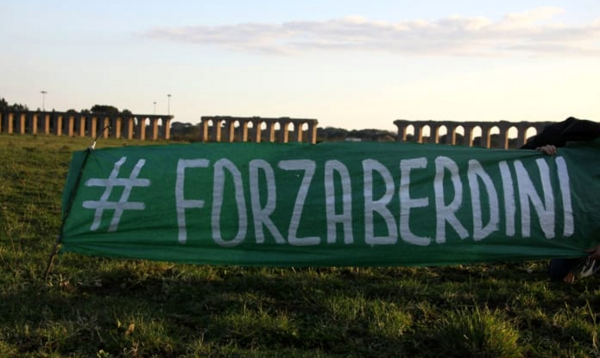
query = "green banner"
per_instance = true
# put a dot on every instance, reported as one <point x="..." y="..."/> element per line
<point x="331" y="204"/>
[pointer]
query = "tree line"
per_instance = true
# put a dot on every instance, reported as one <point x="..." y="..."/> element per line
<point x="15" y="107"/>
<point x="5" y="106"/>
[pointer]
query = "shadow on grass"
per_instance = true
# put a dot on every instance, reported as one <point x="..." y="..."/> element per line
<point x="121" y="308"/>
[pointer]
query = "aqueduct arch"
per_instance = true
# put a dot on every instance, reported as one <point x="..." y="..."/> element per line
<point x="87" y="124"/>
<point x="469" y="127"/>
<point x="257" y="129"/>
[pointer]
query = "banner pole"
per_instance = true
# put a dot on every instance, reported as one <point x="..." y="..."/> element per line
<point x="52" y="256"/>
<point x="55" y="249"/>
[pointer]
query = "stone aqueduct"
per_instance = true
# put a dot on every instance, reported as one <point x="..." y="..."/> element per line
<point x="138" y="126"/>
<point x="255" y="129"/>
<point x="522" y="131"/>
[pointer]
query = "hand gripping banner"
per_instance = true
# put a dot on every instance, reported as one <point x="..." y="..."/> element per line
<point x="331" y="204"/>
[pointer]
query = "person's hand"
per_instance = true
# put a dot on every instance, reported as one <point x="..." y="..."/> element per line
<point x="594" y="252"/>
<point x="547" y="149"/>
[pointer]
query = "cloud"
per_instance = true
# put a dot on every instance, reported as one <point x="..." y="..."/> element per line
<point x="531" y="33"/>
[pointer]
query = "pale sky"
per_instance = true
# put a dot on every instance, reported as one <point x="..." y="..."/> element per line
<point x="348" y="63"/>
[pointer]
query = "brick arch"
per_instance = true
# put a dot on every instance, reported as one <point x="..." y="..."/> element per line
<point x="454" y="131"/>
<point x="440" y="131"/>
<point x="257" y="129"/>
<point x="512" y="134"/>
<point x="470" y="130"/>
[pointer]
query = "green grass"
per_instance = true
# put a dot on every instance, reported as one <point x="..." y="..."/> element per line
<point x="96" y="307"/>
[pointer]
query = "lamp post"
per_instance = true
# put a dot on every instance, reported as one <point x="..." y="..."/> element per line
<point x="43" y="100"/>
<point x="154" y="107"/>
<point x="168" y="104"/>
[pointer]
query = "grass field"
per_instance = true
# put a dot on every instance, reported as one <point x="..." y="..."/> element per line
<point x="96" y="307"/>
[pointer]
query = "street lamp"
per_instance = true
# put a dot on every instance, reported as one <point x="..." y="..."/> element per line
<point x="43" y="100"/>
<point x="169" y="104"/>
<point x="154" y="107"/>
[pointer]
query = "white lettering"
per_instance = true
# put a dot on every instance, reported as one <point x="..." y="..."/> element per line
<point x="565" y="190"/>
<point x="447" y="213"/>
<point x="262" y="215"/>
<point x="527" y="194"/>
<point x="509" y="198"/>
<point x="379" y="206"/>
<point x="407" y="203"/>
<point x="479" y="230"/>
<point x="309" y="167"/>
<point x="384" y="222"/>
<point x="218" y="196"/>
<point x="345" y="217"/>
<point x="180" y="202"/>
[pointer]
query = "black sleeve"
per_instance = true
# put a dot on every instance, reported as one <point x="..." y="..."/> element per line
<point x="558" y="134"/>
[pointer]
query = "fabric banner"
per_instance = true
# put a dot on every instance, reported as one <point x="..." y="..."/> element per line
<point x="331" y="204"/>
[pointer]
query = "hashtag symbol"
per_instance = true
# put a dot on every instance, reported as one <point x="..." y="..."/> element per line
<point x="123" y="203"/>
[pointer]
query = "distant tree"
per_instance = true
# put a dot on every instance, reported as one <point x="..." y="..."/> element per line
<point x="3" y="104"/>
<point x="376" y="135"/>
<point x="331" y="134"/>
<point x="185" y="132"/>
<point x="16" y="107"/>
<point x="110" y="110"/>
<point x="103" y="108"/>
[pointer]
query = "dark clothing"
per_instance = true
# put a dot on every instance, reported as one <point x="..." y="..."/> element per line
<point x="558" y="134"/>
<point x="558" y="269"/>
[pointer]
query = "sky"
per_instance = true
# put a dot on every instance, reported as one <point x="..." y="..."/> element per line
<point x="347" y="63"/>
